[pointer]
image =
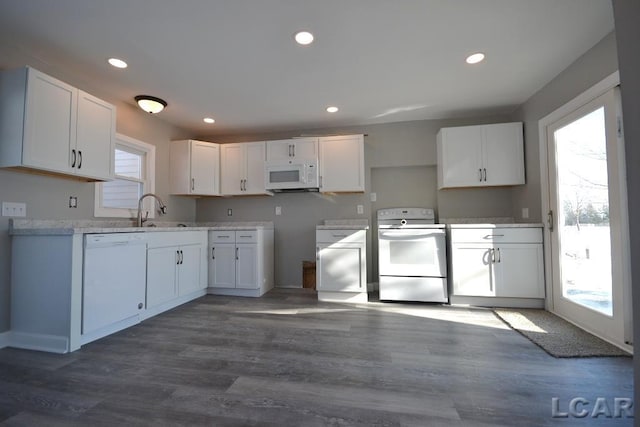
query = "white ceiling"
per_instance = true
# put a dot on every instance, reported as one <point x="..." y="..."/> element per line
<point x="378" y="60"/>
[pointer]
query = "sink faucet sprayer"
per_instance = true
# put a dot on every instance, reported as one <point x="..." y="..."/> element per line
<point x="162" y="209"/>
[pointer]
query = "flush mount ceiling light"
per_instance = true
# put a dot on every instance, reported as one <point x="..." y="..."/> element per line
<point x="208" y="120"/>
<point x="303" y="37"/>
<point x="475" y="58"/>
<point x="150" y="104"/>
<point x="332" y="109"/>
<point x="118" y="63"/>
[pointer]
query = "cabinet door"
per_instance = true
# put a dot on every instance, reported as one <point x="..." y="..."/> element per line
<point x="232" y="168"/>
<point x="279" y="150"/>
<point x="519" y="271"/>
<point x="503" y="154"/>
<point x="305" y="148"/>
<point x="189" y="269"/>
<point x="247" y="266"/>
<point x="50" y="127"/>
<point x="339" y="268"/>
<point x="162" y="264"/>
<point x="341" y="163"/>
<point x="471" y="269"/>
<point x="222" y="266"/>
<point x="460" y="156"/>
<point x="95" y="137"/>
<point x="205" y="160"/>
<point x="255" y="155"/>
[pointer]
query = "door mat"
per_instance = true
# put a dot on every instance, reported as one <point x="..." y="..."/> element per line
<point x="555" y="335"/>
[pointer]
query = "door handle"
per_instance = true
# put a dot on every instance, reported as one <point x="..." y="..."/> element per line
<point x="480" y="174"/>
<point x="193" y="184"/>
<point x="213" y="253"/>
<point x="499" y="255"/>
<point x="177" y="257"/>
<point x="237" y="254"/>
<point x="485" y="174"/>
<point x="73" y="157"/>
<point x="79" y="159"/>
<point x="550" y="220"/>
<point x="181" y="257"/>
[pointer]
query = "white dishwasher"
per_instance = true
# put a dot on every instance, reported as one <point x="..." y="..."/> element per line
<point x="114" y="282"/>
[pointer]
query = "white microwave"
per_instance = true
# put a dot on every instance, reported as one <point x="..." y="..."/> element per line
<point x="301" y="176"/>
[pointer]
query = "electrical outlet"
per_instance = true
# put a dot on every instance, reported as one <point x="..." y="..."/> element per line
<point x="373" y="196"/>
<point x="73" y="202"/>
<point x="360" y="209"/>
<point x="525" y="213"/>
<point x="14" y="209"/>
<point x="278" y="210"/>
<point x="229" y="212"/>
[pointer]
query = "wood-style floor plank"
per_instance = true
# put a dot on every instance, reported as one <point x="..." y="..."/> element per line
<point x="288" y="360"/>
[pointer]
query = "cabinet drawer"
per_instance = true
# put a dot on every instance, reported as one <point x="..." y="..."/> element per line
<point x="345" y="236"/>
<point x="222" y="236"/>
<point x="246" y="236"/>
<point x="497" y="235"/>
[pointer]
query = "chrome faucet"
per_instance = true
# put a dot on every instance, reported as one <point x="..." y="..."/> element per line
<point x="162" y="208"/>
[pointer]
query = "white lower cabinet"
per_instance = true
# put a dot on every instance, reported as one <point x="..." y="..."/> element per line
<point x="176" y="268"/>
<point x="503" y="263"/>
<point x="341" y="270"/>
<point x="240" y="262"/>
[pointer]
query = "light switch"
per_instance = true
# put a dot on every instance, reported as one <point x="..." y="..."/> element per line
<point x="360" y="209"/>
<point x="278" y="210"/>
<point x="229" y="212"/>
<point x="373" y="196"/>
<point x="14" y="209"/>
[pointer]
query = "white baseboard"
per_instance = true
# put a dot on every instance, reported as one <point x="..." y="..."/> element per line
<point x="5" y="339"/>
<point x="40" y="342"/>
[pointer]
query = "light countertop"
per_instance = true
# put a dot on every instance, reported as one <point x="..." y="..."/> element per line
<point x="511" y="225"/>
<point x="344" y="224"/>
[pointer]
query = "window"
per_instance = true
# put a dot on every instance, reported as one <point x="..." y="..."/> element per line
<point x="135" y="176"/>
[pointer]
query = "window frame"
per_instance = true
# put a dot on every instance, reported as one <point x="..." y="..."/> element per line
<point x="148" y="182"/>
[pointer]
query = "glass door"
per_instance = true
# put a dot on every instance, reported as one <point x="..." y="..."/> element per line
<point x="588" y="211"/>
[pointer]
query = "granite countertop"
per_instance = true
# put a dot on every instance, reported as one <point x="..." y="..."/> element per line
<point x="68" y="227"/>
<point x="499" y="225"/>
<point x="344" y="224"/>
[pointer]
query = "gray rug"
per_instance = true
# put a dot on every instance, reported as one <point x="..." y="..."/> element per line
<point x="555" y="335"/>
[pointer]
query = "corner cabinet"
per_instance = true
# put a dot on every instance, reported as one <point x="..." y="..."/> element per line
<point x="242" y="169"/>
<point x="194" y="168"/>
<point x="503" y="263"/>
<point x="48" y="125"/>
<point x="241" y="262"/>
<point x="341" y="265"/>
<point x="481" y="156"/>
<point x="341" y="163"/>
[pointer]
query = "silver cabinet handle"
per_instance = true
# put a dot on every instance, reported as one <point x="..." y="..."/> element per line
<point x="499" y="255"/>
<point x="213" y="252"/>
<point x="177" y="257"/>
<point x="480" y="174"/>
<point x="485" y="174"/>
<point x="241" y="185"/>
<point x="237" y="254"/>
<point x="73" y="156"/>
<point x="79" y="159"/>
<point x="193" y="184"/>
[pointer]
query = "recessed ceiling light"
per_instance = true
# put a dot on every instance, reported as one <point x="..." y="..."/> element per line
<point x="208" y="120"/>
<point x="475" y="58"/>
<point x="332" y="109"/>
<point x="118" y="63"/>
<point x="304" y="37"/>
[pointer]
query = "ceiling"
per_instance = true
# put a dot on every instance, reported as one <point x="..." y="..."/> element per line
<point x="377" y="60"/>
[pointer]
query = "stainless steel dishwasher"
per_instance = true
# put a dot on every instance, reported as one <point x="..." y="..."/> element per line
<point x="114" y="282"/>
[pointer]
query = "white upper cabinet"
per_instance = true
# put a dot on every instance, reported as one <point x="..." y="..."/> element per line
<point x="481" y="156"/>
<point x="290" y="150"/>
<point x="195" y="168"/>
<point x="341" y="163"/>
<point x="242" y="168"/>
<point x="48" y="125"/>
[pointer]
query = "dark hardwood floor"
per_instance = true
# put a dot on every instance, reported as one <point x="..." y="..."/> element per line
<point x="287" y="360"/>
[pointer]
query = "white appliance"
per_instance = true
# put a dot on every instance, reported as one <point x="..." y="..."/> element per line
<point x="112" y="297"/>
<point x="412" y="262"/>
<point x="281" y="176"/>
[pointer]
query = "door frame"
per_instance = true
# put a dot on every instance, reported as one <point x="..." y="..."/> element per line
<point x="606" y="84"/>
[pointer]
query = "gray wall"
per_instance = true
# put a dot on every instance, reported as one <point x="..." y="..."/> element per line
<point x="400" y="161"/>
<point x="627" y="16"/>
<point x="47" y="197"/>
<point x="593" y="66"/>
